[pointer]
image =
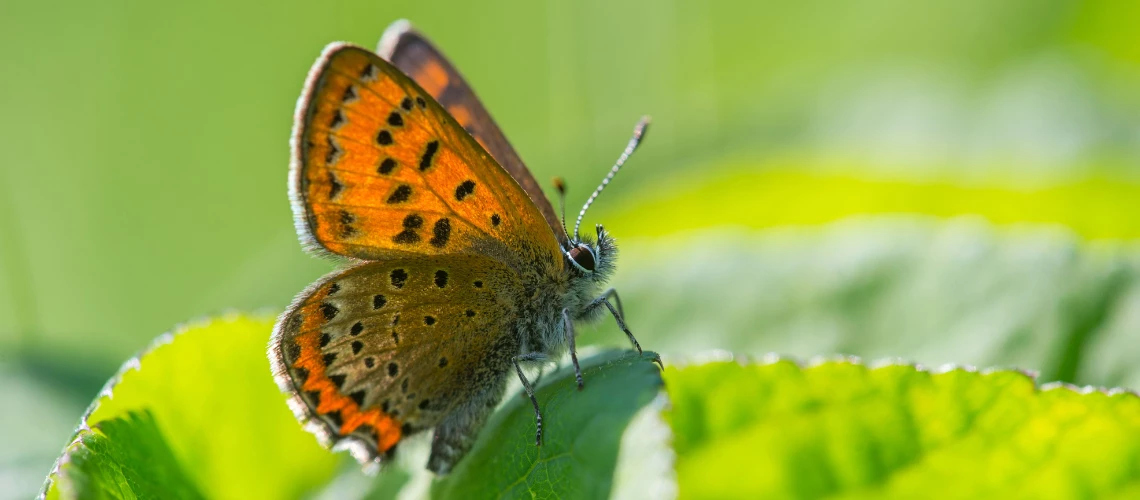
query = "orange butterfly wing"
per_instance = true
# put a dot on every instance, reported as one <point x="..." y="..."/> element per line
<point x="380" y="170"/>
<point x="381" y="350"/>
<point x="416" y="57"/>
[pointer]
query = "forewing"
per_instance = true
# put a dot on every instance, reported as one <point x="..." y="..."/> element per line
<point x="412" y="53"/>
<point x="381" y="171"/>
<point x="385" y="349"/>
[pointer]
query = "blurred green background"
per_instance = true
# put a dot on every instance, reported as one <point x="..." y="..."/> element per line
<point x="942" y="181"/>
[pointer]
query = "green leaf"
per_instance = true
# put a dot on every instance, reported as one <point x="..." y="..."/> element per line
<point x="126" y="457"/>
<point x="581" y="434"/>
<point x="917" y="288"/>
<point x="198" y="413"/>
<point x="840" y="429"/>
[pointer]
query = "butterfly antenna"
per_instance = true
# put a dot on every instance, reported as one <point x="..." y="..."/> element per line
<point x="638" y="134"/>
<point x="560" y="185"/>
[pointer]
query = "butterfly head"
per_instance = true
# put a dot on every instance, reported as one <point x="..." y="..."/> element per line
<point x="595" y="258"/>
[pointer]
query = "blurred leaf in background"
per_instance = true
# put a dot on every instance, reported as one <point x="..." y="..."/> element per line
<point x="146" y="153"/>
<point x="914" y="288"/>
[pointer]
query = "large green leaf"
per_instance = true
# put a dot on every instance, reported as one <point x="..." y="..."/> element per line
<point x="199" y="414"/>
<point x="841" y="430"/>
<point x="581" y="434"/>
<point x="918" y="288"/>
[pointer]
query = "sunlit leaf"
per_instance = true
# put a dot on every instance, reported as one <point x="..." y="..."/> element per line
<point x="839" y="429"/>
<point x="124" y="457"/>
<point x="201" y="412"/>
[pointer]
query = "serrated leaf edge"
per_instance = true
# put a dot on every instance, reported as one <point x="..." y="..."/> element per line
<point x="134" y="363"/>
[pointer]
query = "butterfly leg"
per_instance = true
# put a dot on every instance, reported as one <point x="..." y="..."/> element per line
<point x="568" y="327"/>
<point x="619" y="315"/>
<point x="531" y="356"/>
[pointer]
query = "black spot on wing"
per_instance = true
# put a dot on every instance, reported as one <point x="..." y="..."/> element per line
<point x="441" y="233"/>
<point x="395" y="334"/>
<point x="384" y="138"/>
<point x="335" y="187"/>
<point x="346" y="221"/>
<point x="369" y="72"/>
<point x="399" y="278"/>
<point x="329" y="311"/>
<point x="401" y="194"/>
<point x="429" y="155"/>
<point x="409" y="235"/>
<point x="464" y="190"/>
<point x="386" y="166"/>
<point x="358" y="396"/>
<point x="441" y="278"/>
<point x="333" y="153"/>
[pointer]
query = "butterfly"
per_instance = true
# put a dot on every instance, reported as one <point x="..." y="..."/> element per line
<point x="459" y="274"/>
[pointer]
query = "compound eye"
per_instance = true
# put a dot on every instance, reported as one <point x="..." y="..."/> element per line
<point x="583" y="256"/>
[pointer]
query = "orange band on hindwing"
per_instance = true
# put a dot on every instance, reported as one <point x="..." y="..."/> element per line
<point x="330" y="399"/>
